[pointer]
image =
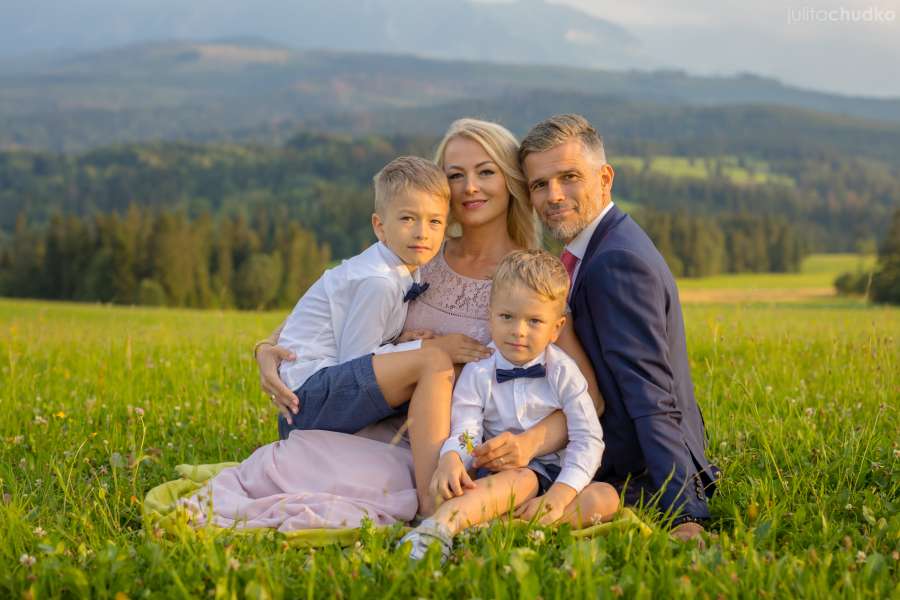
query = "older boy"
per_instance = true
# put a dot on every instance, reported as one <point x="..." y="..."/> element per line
<point x="348" y="373"/>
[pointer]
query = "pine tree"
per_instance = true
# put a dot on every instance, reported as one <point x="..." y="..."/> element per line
<point x="886" y="281"/>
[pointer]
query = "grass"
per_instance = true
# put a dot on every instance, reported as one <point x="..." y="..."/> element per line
<point x="814" y="282"/>
<point x="740" y="171"/>
<point x="100" y="403"/>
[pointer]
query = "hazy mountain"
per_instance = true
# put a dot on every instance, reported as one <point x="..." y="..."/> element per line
<point x="187" y="90"/>
<point x="529" y="31"/>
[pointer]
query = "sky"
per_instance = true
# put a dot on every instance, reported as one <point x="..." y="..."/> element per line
<point x="846" y="46"/>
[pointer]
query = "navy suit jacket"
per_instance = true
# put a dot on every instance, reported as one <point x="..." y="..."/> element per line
<point x="626" y="313"/>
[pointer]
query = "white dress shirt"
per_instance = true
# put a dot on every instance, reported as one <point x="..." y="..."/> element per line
<point x="352" y="310"/>
<point x="578" y="245"/>
<point x="484" y="408"/>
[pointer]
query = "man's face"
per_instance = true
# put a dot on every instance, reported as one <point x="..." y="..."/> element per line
<point x="412" y="226"/>
<point x="569" y="186"/>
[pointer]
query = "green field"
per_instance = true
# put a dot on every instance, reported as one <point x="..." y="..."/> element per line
<point x="738" y="170"/>
<point x="100" y="403"/>
<point x="814" y="283"/>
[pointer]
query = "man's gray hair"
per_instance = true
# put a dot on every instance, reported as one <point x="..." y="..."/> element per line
<point x="559" y="129"/>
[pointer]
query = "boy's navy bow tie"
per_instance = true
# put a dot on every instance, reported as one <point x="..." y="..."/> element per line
<point x="415" y="291"/>
<point x="534" y="371"/>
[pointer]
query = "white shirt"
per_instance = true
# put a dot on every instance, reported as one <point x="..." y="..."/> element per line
<point x="578" y="245"/>
<point x="484" y="408"/>
<point x="352" y="310"/>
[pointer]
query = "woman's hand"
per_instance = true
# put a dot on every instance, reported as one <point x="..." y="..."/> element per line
<point x="269" y="358"/>
<point x="415" y="334"/>
<point x="461" y="348"/>
<point x="504" y="452"/>
<point x="450" y="479"/>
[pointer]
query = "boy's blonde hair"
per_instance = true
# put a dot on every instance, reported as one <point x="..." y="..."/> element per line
<point x="501" y="146"/>
<point x="408" y="172"/>
<point x="537" y="270"/>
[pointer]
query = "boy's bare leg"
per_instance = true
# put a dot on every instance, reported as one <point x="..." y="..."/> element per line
<point x="493" y="496"/>
<point x="597" y="502"/>
<point x="425" y="378"/>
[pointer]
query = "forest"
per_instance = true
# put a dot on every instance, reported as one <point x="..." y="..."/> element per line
<point x="251" y="225"/>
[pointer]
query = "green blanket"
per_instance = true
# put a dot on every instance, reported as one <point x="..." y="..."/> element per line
<point x="160" y="509"/>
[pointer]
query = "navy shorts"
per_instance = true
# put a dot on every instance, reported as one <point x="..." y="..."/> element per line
<point x="343" y="398"/>
<point x="545" y="479"/>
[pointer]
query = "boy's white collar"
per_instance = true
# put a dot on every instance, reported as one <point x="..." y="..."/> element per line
<point x="501" y="362"/>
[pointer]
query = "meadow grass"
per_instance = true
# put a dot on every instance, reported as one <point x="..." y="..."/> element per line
<point x="100" y="403"/>
<point x="813" y="283"/>
<point x="741" y="172"/>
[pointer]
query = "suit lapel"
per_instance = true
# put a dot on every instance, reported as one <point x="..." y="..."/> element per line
<point x="610" y="220"/>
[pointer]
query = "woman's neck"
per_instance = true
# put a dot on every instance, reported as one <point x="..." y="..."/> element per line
<point x="485" y="242"/>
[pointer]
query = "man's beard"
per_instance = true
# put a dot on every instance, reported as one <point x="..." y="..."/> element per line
<point x="567" y="230"/>
<point x="564" y="232"/>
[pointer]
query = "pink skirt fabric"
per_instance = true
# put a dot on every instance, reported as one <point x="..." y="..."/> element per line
<point x="313" y="479"/>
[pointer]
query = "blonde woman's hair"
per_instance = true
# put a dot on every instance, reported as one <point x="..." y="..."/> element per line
<point x="408" y="172"/>
<point x="537" y="270"/>
<point x="501" y="146"/>
<point x="559" y="129"/>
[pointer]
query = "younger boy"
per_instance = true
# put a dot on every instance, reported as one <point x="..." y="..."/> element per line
<point x="525" y="380"/>
<point x="348" y="373"/>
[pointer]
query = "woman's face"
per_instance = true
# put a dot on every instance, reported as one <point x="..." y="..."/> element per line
<point x="478" y="192"/>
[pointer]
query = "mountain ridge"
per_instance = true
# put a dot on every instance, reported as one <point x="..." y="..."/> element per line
<point x="210" y="89"/>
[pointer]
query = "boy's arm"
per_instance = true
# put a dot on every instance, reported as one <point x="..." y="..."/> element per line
<point x="466" y="413"/>
<point x="513" y="450"/>
<point x="584" y="451"/>
<point x="364" y="326"/>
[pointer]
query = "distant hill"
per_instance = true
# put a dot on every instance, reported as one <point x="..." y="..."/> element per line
<point x="241" y="89"/>
<point x="632" y="127"/>
<point x="528" y="31"/>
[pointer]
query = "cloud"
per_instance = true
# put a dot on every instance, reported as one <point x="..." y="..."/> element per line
<point x="833" y="45"/>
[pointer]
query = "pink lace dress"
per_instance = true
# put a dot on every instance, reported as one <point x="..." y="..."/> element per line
<point x="327" y="479"/>
<point x="452" y="303"/>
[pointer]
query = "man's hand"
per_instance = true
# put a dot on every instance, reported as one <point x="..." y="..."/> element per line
<point x="450" y="479"/>
<point x="268" y="358"/>
<point x="461" y="348"/>
<point x="689" y="531"/>
<point x="415" y="334"/>
<point x="549" y="508"/>
<point x="504" y="452"/>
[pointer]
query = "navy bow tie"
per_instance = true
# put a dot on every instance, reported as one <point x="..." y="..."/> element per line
<point x="534" y="371"/>
<point x="415" y="291"/>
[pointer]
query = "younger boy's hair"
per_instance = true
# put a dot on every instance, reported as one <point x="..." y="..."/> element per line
<point x="537" y="270"/>
<point x="408" y="172"/>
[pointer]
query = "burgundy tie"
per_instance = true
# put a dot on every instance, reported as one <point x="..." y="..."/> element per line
<point x="569" y="261"/>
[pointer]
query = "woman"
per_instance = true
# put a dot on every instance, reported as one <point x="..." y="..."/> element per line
<point x="490" y="206"/>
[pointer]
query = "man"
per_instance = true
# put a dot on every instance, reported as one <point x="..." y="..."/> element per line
<point x="626" y="312"/>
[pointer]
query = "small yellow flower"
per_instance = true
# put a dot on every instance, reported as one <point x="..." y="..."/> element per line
<point x="466" y="442"/>
<point x="60" y="415"/>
